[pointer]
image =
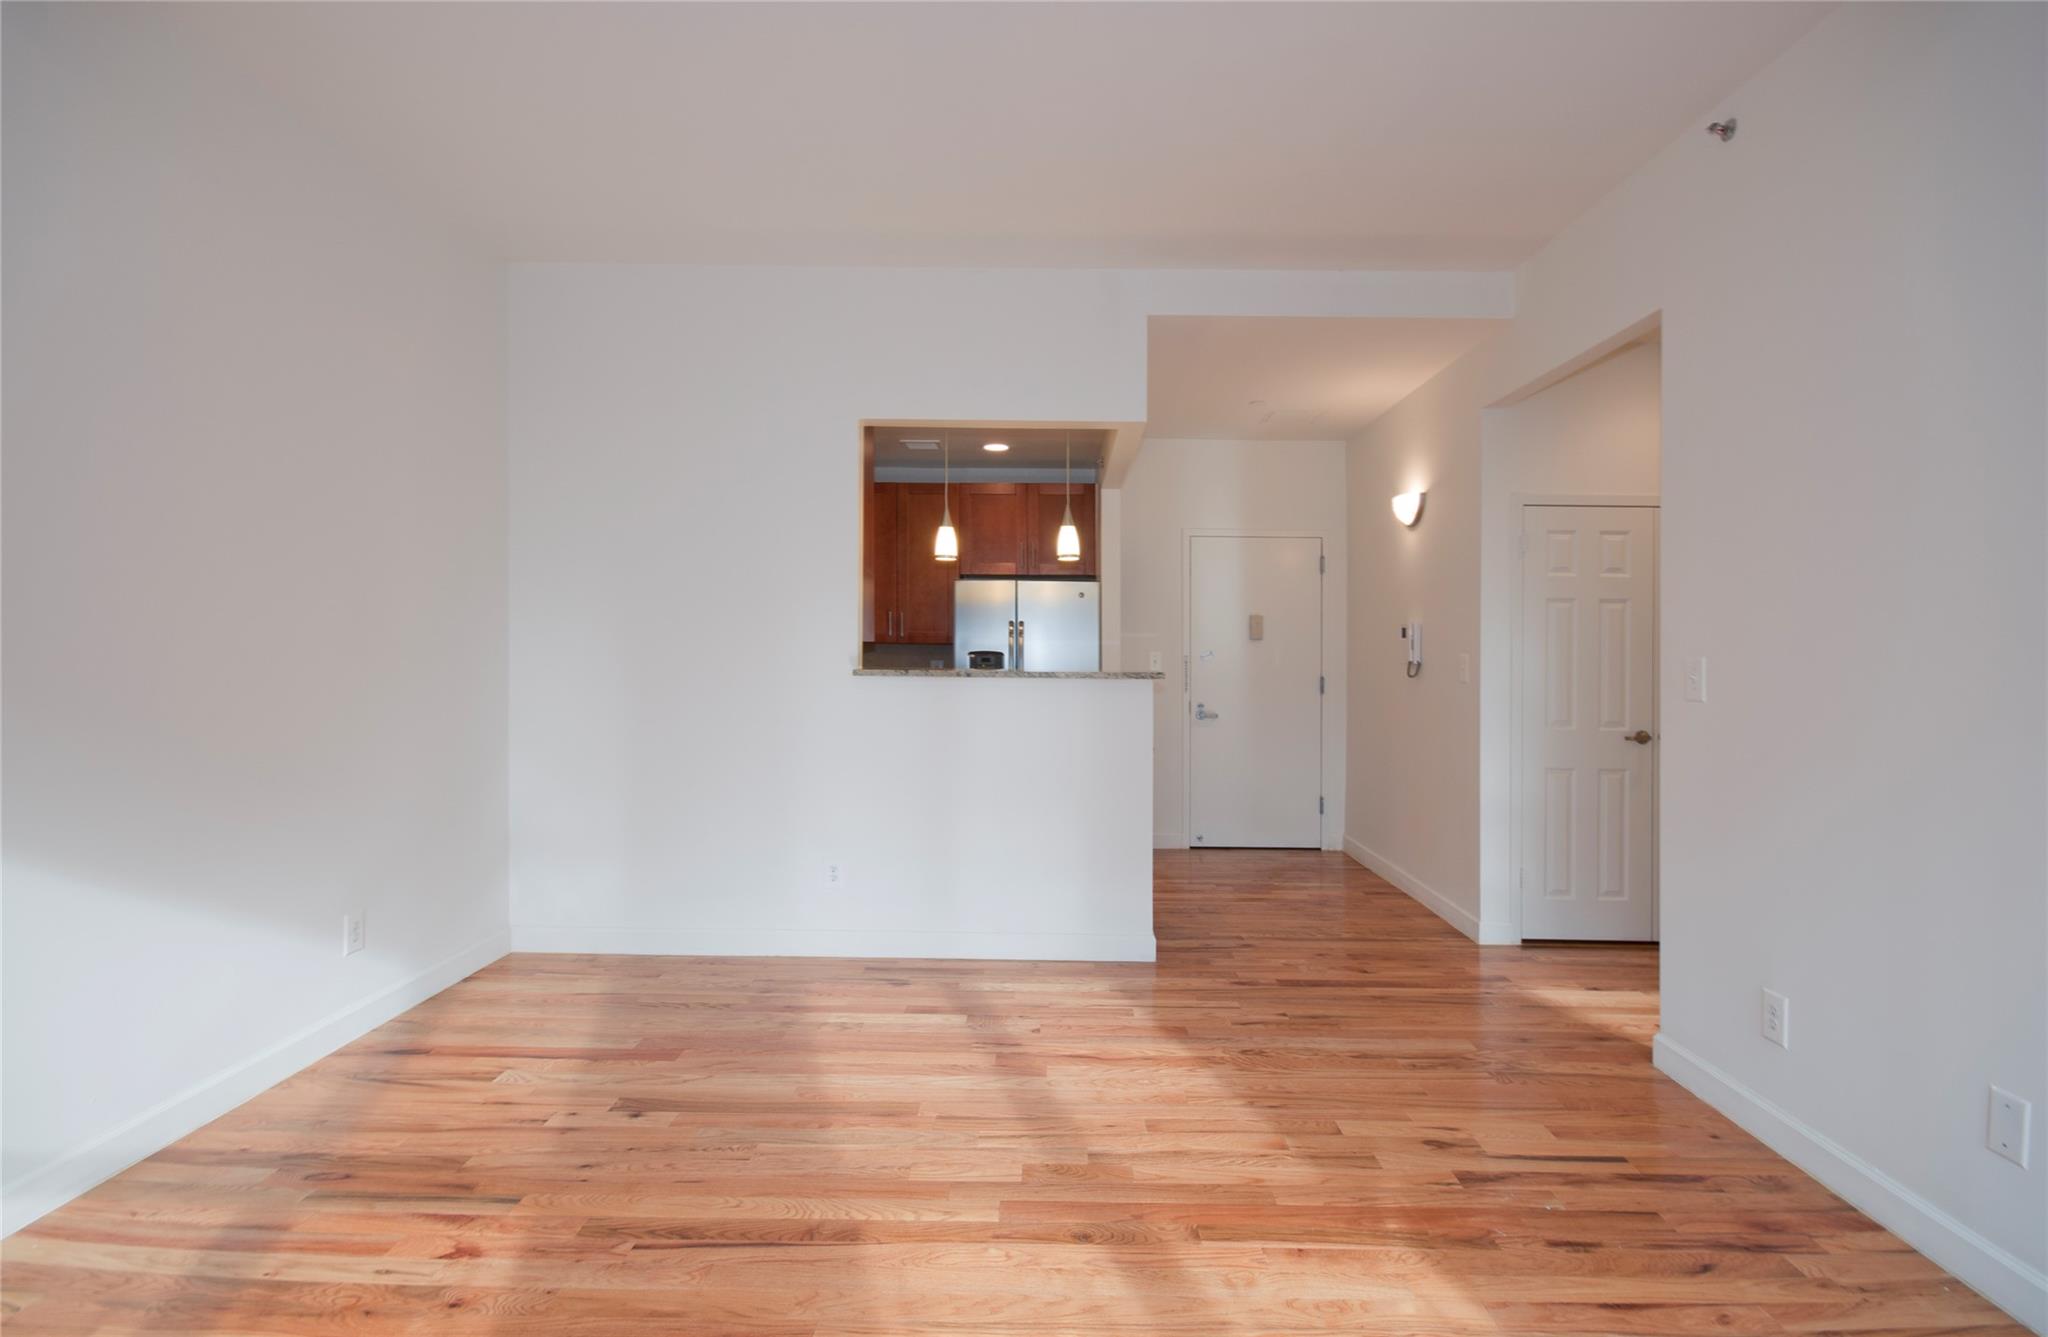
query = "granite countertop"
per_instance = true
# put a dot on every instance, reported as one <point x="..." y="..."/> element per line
<point x="987" y="673"/>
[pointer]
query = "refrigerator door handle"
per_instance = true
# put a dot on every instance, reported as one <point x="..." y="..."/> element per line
<point x="1020" y="643"/>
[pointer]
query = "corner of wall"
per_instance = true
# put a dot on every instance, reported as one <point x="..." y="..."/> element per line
<point x="1442" y="906"/>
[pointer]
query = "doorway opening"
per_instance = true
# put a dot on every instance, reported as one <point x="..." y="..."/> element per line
<point x="1573" y="480"/>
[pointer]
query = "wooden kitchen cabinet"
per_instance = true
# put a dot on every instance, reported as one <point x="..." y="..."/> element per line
<point x="925" y="584"/>
<point x="883" y="539"/>
<point x="1047" y="503"/>
<point x="994" y="527"/>
<point x="913" y="589"/>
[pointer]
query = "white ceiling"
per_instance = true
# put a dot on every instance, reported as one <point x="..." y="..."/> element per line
<point x="1249" y="134"/>
<point x="1029" y="447"/>
<point x="1260" y="378"/>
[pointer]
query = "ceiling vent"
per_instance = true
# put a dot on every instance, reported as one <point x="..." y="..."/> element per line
<point x="920" y="445"/>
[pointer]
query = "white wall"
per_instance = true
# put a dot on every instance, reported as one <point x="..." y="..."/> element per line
<point x="1852" y="477"/>
<point x="255" y="599"/>
<point x="686" y="474"/>
<point x="1413" y="743"/>
<point x="1177" y="486"/>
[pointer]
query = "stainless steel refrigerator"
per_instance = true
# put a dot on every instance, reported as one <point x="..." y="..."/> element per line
<point x="1040" y="626"/>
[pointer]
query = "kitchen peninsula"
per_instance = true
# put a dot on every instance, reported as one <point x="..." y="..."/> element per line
<point x="986" y="705"/>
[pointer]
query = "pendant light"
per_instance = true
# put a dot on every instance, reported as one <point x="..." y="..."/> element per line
<point x="1068" y="547"/>
<point x="946" y="547"/>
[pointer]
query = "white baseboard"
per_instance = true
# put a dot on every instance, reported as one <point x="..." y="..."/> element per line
<point x="2011" y="1283"/>
<point x="1451" y="913"/>
<point x="1169" y="840"/>
<point x="910" y="943"/>
<point x="57" y="1183"/>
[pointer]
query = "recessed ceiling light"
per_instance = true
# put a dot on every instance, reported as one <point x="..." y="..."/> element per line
<point x="997" y="446"/>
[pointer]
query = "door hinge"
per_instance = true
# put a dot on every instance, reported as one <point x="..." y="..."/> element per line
<point x="1322" y="565"/>
<point x="1319" y="805"/>
<point x="1322" y="686"/>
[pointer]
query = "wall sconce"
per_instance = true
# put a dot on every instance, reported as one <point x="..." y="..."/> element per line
<point x="1408" y="507"/>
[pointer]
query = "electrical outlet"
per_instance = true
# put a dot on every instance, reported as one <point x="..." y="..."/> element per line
<point x="2011" y="1122"/>
<point x="352" y="934"/>
<point x="835" y="876"/>
<point x="1696" y="678"/>
<point x="1777" y="1027"/>
<point x="1158" y="662"/>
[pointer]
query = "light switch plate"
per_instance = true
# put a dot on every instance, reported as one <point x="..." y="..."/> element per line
<point x="1696" y="678"/>
<point x="2011" y="1123"/>
<point x="1464" y="668"/>
<point x="353" y="933"/>
<point x="1158" y="662"/>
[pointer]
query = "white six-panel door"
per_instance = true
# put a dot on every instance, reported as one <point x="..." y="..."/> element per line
<point x="1255" y="726"/>
<point x="1587" y="791"/>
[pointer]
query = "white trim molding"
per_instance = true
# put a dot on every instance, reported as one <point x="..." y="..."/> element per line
<point x="2011" y="1283"/>
<point x="36" y="1195"/>
<point x="1459" y="918"/>
<point x="907" y="944"/>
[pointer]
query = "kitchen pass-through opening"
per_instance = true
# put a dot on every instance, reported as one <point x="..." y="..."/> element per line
<point x="981" y="547"/>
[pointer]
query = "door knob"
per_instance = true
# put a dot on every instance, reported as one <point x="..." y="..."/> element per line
<point x="1202" y="712"/>
<point x="1639" y="736"/>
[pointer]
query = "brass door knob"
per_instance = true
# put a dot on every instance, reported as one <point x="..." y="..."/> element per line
<point x="1639" y="736"/>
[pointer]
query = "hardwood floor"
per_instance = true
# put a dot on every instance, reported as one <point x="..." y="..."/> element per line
<point x="1322" y="1111"/>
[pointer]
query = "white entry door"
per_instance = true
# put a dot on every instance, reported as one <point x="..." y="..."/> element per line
<point x="1254" y="678"/>
<point x="1589" y="722"/>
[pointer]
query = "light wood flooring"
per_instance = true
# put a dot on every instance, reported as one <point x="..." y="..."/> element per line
<point x="1322" y="1111"/>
